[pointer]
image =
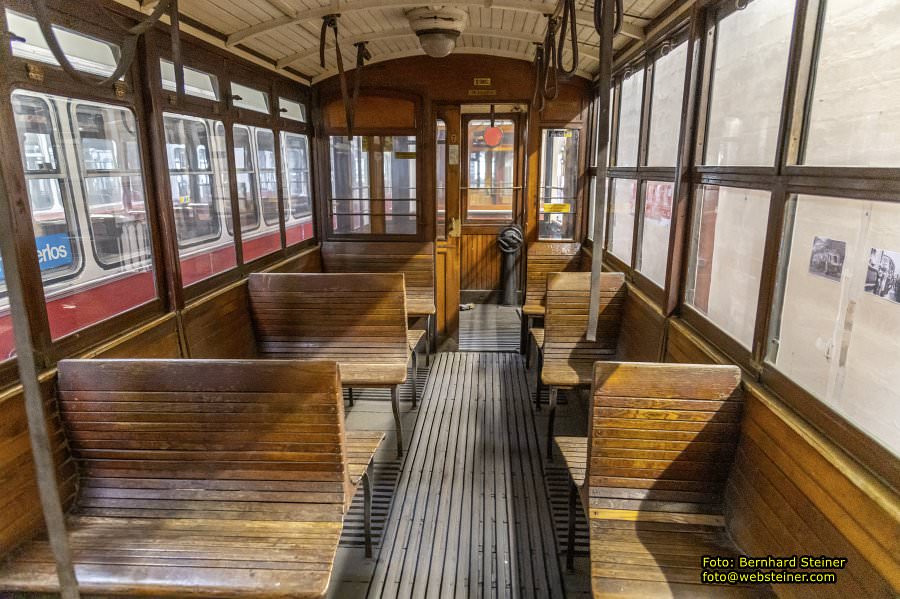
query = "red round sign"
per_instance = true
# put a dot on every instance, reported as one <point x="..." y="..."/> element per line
<point x="493" y="136"/>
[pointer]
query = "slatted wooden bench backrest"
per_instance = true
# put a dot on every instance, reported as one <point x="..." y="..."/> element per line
<point x="566" y="320"/>
<point x="543" y="259"/>
<point x="347" y="317"/>
<point x="207" y="439"/>
<point x="415" y="260"/>
<point x="663" y="436"/>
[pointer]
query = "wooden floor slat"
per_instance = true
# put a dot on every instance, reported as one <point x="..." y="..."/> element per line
<point x="471" y="517"/>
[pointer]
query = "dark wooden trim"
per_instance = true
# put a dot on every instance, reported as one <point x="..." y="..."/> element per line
<point x="718" y="338"/>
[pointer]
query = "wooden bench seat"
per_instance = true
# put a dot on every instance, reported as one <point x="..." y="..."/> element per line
<point x="358" y="320"/>
<point x="567" y="359"/>
<point x="224" y="478"/>
<point x="542" y="259"/>
<point x="651" y="477"/>
<point x="415" y="260"/>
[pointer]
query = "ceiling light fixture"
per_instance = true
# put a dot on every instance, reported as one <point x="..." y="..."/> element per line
<point x="438" y="28"/>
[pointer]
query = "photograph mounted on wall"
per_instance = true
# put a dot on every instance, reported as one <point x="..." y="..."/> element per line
<point x="827" y="258"/>
<point x="883" y="276"/>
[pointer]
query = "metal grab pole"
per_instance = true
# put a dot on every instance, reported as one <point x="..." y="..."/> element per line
<point x="606" y="44"/>
<point x="41" y="449"/>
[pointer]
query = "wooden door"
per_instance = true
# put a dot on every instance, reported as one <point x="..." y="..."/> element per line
<point x="447" y="229"/>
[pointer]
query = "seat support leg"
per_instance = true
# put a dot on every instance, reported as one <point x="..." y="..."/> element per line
<point x="429" y="320"/>
<point x="573" y="505"/>
<point x="415" y="378"/>
<point x="350" y="390"/>
<point x="523" y="334"/>
<point x="398" y="425"/>
<point x="539" y="385"/>
<point x="550" y="422"/>
<point x="367" y="511"/>
<point x="529" y="353"/>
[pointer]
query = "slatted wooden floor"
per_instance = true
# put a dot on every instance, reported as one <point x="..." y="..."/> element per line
<point x="471" y="517"/>
<point x="489" y="327"/>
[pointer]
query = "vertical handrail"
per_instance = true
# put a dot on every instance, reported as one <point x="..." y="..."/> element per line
<point x="606" y="39"/>
<point x="41" y="449"/>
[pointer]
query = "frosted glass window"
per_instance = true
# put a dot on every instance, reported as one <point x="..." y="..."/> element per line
<point x="748" y="84"/>
<point x="728" y="238"/>
<point x="656" y="222"/>
<point x="84" y="53"/>
<point x="621" y="219"/>
<point x="837" y="332"/>
<point x="665" y="106"/>
<point x="196" y="83"/>
<point x="630" y="119"/>
<point x="249" y="98"/>
<point x="855" y="111"/>
<point x="292" y="110"/>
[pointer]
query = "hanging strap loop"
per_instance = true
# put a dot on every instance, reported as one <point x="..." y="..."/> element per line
<point x="550" y="87"/>
<point x="362" y="55"/>
<point x="537" y="98"/>
<point x="569" y="25"/>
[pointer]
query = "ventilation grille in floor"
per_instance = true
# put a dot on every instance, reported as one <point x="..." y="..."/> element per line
<point x="489" y="328"/>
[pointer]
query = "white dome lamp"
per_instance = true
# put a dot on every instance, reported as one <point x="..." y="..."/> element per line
<point x="438" y="28"/>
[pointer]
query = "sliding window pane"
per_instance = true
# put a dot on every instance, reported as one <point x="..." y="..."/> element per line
<point x="196" y="83"/>
<point x="656" y="222"/>
<point x="665" y="107"/>
<point x="441" y="179"/>
<point x="621" y="219"/>
<point x="836" y="331"/>
<point x="201" y="201"/>
<point x="254" y="161"/>
<point x="632" y="94"/>
<point x="855" y="110"/>
<point x="558" y="192"/>
<point x="724" y="273"/>
<point x="748" y="84"/>
<point x="295" y="187"/>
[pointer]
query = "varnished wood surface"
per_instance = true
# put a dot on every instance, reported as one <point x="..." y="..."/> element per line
<point x="662" y="438"/>
<point x="202" y="478"/>
<point x="543" y="259"/>
<point x="413" y="259"/>
<point x="358" y="320"/>
<point x="568" y="356"/>
<point x="471" y="517"/>
<point x="479" y="261"/>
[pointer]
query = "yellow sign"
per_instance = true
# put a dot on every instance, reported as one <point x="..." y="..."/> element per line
<point x="405" y="155"/>
<point x="482" y="92"/>
<point x="482" y="82"/>
<point x="566" y="208"/>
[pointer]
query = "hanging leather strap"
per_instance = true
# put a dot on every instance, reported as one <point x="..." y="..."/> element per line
<point x="537" y="98"/>
<point x="550" y="90"/>
<point x="331" y="21"/>
<point x="362" y="55"/>
<point x="568" y="25"/>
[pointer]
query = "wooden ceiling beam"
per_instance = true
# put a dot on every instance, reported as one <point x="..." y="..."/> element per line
<point x="338" y="7"/>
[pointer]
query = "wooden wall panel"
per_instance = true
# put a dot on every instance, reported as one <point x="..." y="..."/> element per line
<point x="686" y="347"/>
<point x="156" y="339"/>
<point x="20" y="507"/>
<point x="447" y="286"/>
<point x="219" y="325"/>
<point x="643" y="325"/>
<point x="480" y="262"/>
<point x="791" y="492"/>
<point x="307" y="261"/>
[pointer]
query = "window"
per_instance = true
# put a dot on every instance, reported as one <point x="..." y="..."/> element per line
<point x="295" y="187"/>
<point x="490" y="183"/>
<point x="196" y="83"/>
<point x="834" y="332"/>
<point x="254" y="163"/>
<point x="631" y="97"/>
<point x="854" y="114"/>
<point x="373" y="185"/>
<point x="441" y="179"/>
<point x="725" y="268"/>
<point x="751" y="50"/>
<point x="656" y="222"/>
<point x="7" y="339"/>
<point x="198" y="178"/>
<point x="558" y="194"/>
<point x="83" y="170"/>
<point x="249" y="98"/>
<point x="84" y="53"/>
<point x="621" y="219"/>
<point x="289" y="109"/>
<point x="665" y="107"/>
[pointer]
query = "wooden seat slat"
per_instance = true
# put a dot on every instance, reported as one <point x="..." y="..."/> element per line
<point x="654" y="500"/>
<point x="194" y="506"/>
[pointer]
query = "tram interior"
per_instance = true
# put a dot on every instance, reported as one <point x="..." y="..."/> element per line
<point x="514" y="298"/>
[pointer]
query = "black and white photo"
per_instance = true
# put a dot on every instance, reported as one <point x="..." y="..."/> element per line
<point x="827" y="258"/>
<point x="883" y="275"/>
